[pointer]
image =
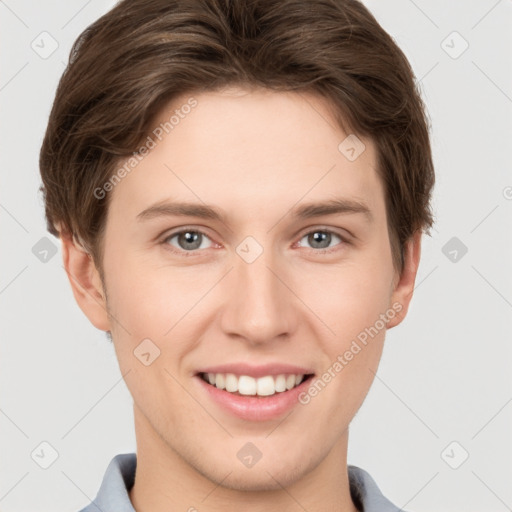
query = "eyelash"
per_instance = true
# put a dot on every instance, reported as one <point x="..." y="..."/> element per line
<point x="195" y="252"/>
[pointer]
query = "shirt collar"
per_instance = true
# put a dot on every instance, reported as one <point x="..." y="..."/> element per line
<point x="120" y="476"/>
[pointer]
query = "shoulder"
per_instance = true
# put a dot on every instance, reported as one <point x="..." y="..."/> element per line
<point x="366" y="494"/>
<point x="117" y="481"/>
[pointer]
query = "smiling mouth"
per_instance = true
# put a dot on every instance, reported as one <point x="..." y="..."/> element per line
<point x="245" y="385"/>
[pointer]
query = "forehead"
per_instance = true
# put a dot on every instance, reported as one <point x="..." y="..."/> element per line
<point x="250" y="150"/>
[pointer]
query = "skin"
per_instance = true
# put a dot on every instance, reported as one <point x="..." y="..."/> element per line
<point x="293" y="304"/>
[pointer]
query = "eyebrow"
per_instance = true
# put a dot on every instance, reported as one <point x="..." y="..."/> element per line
<point x="305" y="211"/>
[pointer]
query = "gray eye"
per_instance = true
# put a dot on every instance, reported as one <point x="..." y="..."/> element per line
<point x="319" y="239"/>
<point x="188" y="240"/>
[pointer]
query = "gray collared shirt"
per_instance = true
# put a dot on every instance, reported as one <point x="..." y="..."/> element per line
<point x="120" y="475"/>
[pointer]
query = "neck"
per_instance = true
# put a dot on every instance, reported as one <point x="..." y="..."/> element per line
<point x="165" y="481"/>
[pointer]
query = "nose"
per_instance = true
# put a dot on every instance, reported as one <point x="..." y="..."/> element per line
<point x="259" y="307"/>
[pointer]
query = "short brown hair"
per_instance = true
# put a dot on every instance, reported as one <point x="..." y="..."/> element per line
<point x="143" y="53"/>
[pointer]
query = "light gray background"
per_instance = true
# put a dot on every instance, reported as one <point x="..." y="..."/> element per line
<point x="445" y="372"/>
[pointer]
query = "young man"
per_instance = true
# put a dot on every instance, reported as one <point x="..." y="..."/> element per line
<point x="241" y="190"/>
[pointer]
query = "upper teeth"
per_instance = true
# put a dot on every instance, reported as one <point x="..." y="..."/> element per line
<point x="247" y="385"/>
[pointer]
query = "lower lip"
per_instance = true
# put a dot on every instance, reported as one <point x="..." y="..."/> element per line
<point x="255" y="408"/>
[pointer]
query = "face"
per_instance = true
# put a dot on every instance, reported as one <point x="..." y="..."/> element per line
<point x="248" y="278"/>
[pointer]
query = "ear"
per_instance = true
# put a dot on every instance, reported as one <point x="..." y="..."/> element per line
<point x="85" y="282"/>
<point x="404" y="283"/>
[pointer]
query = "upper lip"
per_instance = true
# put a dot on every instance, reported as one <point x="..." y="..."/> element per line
<point x="257" y="371"/>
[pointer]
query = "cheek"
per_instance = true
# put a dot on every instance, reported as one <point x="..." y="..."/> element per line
<point x="349" y="298"/>
<point x="161" y="304"/>
<point x="150" y="300"/>
<point x="146" y="306"/>
<point x="350" y="303"/>
<point x="140" y="297"/>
